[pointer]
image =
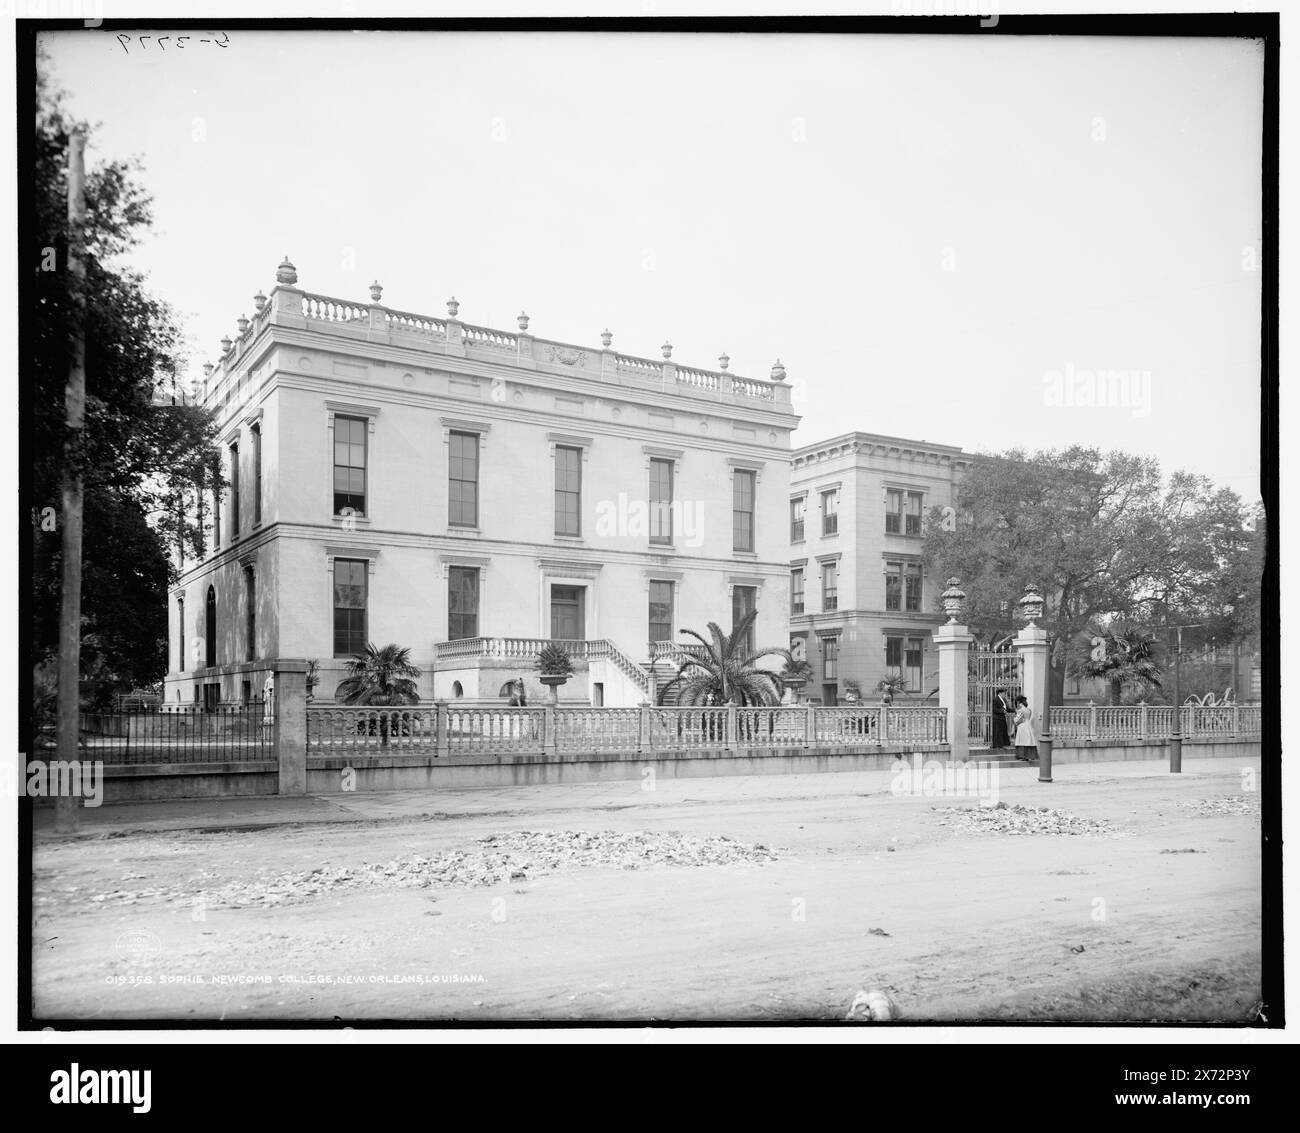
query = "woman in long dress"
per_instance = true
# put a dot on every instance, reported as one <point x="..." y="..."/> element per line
<point x="1026" y="741"/>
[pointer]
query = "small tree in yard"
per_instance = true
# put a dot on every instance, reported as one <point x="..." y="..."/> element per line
<point x="727" y="673"/>
<point x="1123" y="656"/>
<point x="379" y="678"/>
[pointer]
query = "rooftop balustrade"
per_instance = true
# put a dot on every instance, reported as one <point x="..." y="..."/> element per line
<point x="373" y="322"/>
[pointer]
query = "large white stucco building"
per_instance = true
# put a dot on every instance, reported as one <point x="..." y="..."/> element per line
<point x="469" y="492"/>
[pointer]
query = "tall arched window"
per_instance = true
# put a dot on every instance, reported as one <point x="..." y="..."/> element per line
<point x="180" y="619"/>
<point x="210" y="628"/>
<point x="250" y="624"/>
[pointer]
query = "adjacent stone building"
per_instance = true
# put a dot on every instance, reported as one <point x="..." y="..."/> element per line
<point x="470" y="493"/>
<point x="862" y="605"/>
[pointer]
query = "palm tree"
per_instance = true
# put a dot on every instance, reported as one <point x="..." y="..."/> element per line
<point x="726" y="673"/>
<point x="379" y="677"/>
<point x="1125" y="655"/>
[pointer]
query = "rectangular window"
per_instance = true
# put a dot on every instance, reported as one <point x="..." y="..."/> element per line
<point x="743" y="600"/>
<point x="661" y="611"/>
<point x="912" y="662"/>
<point x="462" y="487"/>
<point x="462" y="602"/>
<point x="798" y="510"/>
<point x="893" y="656"/>
<point x="234" y="491"/>
<point x="830" y="658"/>
<point x="742" y="510"/>
<point x="893" y="586"/>
<point x="216" y="506"/>
<point x="893" y="512"/>
<point x="250" y="615"/>
<point x="661" y="504"/>
<point x="796" y="592"/>
<point x="350" y="465"/>
<point x="568" y="490"/>
<point x="350" y="580"/>
<point x="912" y="586"/>
<point x="913" y="517"/>
<point x="257" y="474"/>
<point x="830" y="586"/>
<point x="831" y="512"/>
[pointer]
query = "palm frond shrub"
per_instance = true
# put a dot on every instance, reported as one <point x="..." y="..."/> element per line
<point x="553" y="660"/>
<point x="379" y="677"/>
<point x="727" y="672"/>
<point x="1126" y="656"/>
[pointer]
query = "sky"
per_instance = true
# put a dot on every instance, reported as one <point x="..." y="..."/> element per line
<point x="944" y="238"/>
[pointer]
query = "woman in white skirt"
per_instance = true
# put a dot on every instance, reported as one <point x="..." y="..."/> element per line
<point x="1025" y="740"/>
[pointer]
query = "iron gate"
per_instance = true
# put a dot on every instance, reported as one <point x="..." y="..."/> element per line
<point x="987" y="671"/>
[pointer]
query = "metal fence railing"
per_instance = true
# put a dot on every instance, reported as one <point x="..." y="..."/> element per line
<point x="182" y="734"/>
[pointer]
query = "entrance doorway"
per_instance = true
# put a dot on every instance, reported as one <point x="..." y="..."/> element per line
<point x="568" y="613"/>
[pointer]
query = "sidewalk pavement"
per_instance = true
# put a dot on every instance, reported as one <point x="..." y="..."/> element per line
<point x="264" y="812"/>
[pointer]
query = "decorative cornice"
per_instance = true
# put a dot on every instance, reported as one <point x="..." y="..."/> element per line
<point x="463" y="425"/>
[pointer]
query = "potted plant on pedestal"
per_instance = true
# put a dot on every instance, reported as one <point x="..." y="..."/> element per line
<point x="795" y="675"/>
<point x="556" y="667"/>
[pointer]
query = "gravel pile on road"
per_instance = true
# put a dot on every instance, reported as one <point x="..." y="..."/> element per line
<point x="1229" y="804"/>
<point x="1021" y="820"/>
<point x="500" y="858"/>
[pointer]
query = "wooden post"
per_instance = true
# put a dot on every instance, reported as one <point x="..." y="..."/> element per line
<point x="66" y="805"/>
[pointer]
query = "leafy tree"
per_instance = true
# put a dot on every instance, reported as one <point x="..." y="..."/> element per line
<point x="379" y="677"/>
<point x="1105" y="536"/>
<point x="726" y="672"/>
<point x="125" y="573"/>
<point x="141" y="456"/>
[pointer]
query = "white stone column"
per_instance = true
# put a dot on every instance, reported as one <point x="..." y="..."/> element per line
<point x="953" y="643"/>
<point x="1031" y="644"/>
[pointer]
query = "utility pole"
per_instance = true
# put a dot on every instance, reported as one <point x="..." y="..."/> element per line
<point x="66" y="806"/>
<point x="1176" y="740"/>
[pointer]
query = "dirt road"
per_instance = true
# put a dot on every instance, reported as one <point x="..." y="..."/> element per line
<point x="1154" y="913"/>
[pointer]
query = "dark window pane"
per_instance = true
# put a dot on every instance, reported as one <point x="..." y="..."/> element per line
<point x="661" y="499"/>
<point x="742" y="511"/>
<point x="661" y="611"/>
<point x="350" y="581"/>
<point x="568" y="489"/>
<point x="462" y="611"/>
<point x="350" y="464"/>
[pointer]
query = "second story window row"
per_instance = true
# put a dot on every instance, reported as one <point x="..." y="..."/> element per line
<point x="903" y="511"/>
